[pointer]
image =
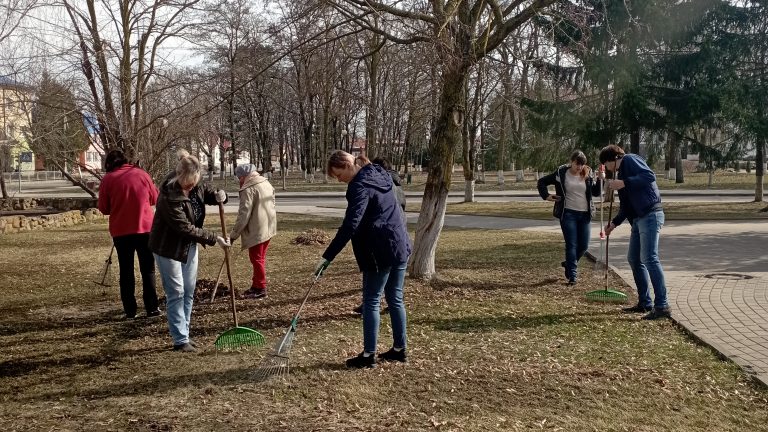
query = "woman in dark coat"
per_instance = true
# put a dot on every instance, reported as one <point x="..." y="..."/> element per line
<point x="380" y="242"/>
<point x="574" y="187"/>
<point x="176" y="231"/>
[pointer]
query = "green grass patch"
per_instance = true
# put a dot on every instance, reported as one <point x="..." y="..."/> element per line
<point x="497" y="343"/>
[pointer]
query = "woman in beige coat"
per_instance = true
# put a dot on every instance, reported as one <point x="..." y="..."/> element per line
<point x="256" y="224"/>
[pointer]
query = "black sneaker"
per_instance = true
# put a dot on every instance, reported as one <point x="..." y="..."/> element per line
<point x="361" y="361"/>
<point x="657" y="314"/>
<point x="638" y="308"/>
<point x="185" y="347"/>
<point x="393" y="355"/>
<point x="154" y="313"/>
<point x="571" y="282"/>
<point x="562" y="264"/>
<point x="255" y="293"/>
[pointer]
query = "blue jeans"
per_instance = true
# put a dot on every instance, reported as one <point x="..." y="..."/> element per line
<point x="643" y="258"/>
<point x="179" y="281"/>
<point x="390" y="280"/>
<point x="575" y="226"/>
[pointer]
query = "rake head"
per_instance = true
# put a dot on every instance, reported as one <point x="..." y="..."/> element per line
<point x="606" y="295"/>
<point x="276" y="362"/>
<point x="239" y="337"/>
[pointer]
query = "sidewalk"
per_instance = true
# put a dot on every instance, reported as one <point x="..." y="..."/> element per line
<point x="717" y="285"/>
<point x="63" y="188"/>
<point x="715" y="273"/>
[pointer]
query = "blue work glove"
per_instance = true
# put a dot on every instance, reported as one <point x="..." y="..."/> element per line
<point x="321" y="266"/>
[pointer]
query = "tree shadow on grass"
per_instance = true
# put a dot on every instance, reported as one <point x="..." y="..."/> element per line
<point x="152" y="385"/>
<point x="486" y="323"/>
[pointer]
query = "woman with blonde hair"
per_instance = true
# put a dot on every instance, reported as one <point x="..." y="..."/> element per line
<point x="574" y="187"/>
<point x="380" y="242"/>
<point x="176" y="231"/>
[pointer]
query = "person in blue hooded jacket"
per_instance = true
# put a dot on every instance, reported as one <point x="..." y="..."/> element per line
<point x="640" y="203"/>
<point x="380" y="242"/>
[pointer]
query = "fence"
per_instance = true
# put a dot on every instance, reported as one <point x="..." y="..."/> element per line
<point x="33" y="176"/>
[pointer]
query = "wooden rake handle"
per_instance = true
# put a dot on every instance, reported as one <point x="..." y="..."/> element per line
<point x="218" y="278"/>
<point x="226" y="262"/>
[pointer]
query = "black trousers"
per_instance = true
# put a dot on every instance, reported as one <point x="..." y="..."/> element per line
<point x="126" y="246"/>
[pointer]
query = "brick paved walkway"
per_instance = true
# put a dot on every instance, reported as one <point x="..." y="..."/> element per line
<point x="717" y="286"/>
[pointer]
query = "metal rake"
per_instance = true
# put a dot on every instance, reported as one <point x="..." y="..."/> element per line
<point x="276" y="363"/>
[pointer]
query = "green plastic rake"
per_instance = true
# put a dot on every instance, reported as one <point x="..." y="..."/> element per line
<point x="606" y="294"/>
<point x="236" y="337"/>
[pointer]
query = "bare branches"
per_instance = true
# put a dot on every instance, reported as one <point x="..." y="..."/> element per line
<point x="12" y="13"/>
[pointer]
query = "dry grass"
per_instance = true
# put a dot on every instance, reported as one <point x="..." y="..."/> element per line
<point x="679" y="210"/>
<point x="497" y="343"/>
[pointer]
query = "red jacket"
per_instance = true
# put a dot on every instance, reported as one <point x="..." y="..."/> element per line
<point x="127" y="195"/>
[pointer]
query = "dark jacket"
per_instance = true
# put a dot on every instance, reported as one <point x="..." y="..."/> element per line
<point x="640" y="194"/>
<point x="557" y="178"/>
<point x="373" y="222"/>
<point x="399" y="192"/>
<point x="173" y="228"/>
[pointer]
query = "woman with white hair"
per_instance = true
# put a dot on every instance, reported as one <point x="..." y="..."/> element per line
<point x="176" y="231"/>
<point x="256" y="224"/>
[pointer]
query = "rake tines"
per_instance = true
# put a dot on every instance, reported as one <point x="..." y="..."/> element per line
<point x="276" y="363"/>
<point x="606" y="295"/>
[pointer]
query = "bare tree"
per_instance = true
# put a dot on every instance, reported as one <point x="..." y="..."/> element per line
<point x="120" y="59"/>
<point x="461" y="32"/>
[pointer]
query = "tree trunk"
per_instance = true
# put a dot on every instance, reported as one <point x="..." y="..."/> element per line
<point x="679" y="174"/>
<point x="469" y="190"/>
<point x="634" y="141"/>
<point x="759" y="167"/>
<point x="501" y="146"/>
<point x="445" y="137"/>
<point x="3" y="188"/>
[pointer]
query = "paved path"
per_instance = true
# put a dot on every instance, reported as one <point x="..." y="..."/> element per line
<point x="717" y="279"/>
<point x="715" y="271"/>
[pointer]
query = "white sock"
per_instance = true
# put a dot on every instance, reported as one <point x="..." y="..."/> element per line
<point x="367" y="354"/>
<point x="397" y="349"/>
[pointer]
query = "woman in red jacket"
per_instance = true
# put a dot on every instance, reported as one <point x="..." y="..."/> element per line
<point x="127" y="195"/>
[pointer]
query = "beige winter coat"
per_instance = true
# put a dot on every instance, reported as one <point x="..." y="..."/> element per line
<point x="256" y="218"/>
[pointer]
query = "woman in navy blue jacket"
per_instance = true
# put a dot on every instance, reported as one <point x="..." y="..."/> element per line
<point x="380" y="242"/>
<point x="574" y="187"/>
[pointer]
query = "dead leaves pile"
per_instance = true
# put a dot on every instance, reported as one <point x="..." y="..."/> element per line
<point x="312" y="237"/>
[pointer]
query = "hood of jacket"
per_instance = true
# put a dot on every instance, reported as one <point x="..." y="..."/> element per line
<point x="375" y="177"/>
<point x="395" y="177"/>
<point x="252" y="179"/>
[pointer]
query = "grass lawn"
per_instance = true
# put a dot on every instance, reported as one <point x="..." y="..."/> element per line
<point x="497" y="343"/>
<point x="672" y="210"/>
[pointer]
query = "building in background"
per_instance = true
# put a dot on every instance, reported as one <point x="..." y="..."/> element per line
<point x="15" y="111"/>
